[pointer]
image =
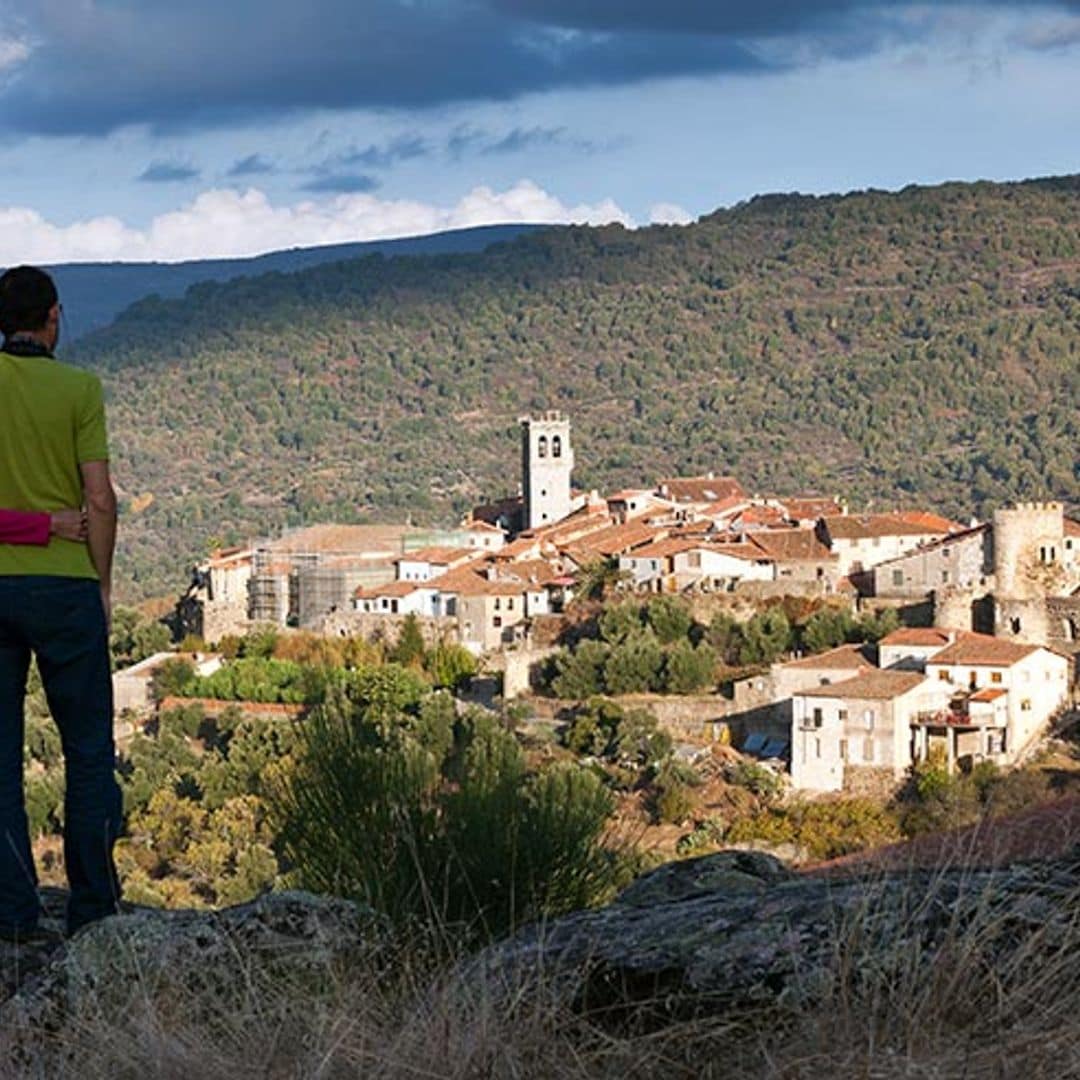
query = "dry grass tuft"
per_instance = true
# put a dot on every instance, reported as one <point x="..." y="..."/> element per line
<point x="994" y="994"/>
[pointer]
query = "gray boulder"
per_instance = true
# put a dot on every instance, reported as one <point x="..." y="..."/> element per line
<point x="738" y="930"/>
<point x="209" y="956"/>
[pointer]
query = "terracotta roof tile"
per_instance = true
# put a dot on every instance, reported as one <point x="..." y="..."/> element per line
<point x="700" y="489"/>
<point x="840" y="658"/>
<point x="981" y="650"/>
<point x="792" y="545"/>
<point x="862" y="526"/>
<point x="869" y="686"/>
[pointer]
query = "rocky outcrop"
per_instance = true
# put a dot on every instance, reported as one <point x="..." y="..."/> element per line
<point x="738" y="929"/>
<point x="212" y="956"/>
<point x="731" y="931"/>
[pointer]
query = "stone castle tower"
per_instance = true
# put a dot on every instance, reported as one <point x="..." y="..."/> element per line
<point x="1029" y="566"/>
<point x="547" y="460"/>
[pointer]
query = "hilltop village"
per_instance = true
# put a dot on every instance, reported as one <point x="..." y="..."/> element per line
<point x="988" y="613"/>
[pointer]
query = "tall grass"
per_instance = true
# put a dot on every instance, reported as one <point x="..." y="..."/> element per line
<point x="990" y="993"/>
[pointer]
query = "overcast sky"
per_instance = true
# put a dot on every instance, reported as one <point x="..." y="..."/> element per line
<point x="171" y="129"/>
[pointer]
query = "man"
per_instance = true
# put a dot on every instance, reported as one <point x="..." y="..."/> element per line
<point x="55" y="603"/>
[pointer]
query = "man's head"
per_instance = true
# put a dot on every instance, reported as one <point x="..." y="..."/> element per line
<point x="29" y="304"/>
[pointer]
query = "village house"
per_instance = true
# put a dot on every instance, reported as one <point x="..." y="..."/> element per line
<point x="862" y="724"/>
<point x="798" y="555"/>
<point x="966" y="696"/>
<point x="964" y="559"/>
<point x="427" y="563"/>
<point x="699" y="490"/>
<point x="133" y="687"/>
<point x="719" y="566"/>
<point x="396" y="598"/>
<point x="1025" y="685"/>
<point x="862" y="541"/>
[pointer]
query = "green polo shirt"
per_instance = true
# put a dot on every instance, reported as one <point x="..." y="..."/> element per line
<point x="52" y="419"/>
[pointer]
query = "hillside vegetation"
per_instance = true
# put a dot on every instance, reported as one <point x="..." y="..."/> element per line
<point x="910" y="348"/>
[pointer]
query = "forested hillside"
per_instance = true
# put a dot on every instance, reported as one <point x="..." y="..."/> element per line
<point x="921" y="347"/>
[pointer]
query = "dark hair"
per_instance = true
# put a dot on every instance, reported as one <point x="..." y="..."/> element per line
<point x="27" y="294"/>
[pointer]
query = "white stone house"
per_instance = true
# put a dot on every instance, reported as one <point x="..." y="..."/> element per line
<point x="862" y="723"/>
<point x="430" y="562"/>
<point x="863" y="541"/>
<point x="396" y="598"/>
<point x="719" y="566"/>
<point x="1035" y="682"/>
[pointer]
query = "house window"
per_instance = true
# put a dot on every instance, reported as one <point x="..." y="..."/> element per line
<point x="843" y="750"/>
<point x="868" y="751"/>
<point x="497" y="603"/>
<point x="842" y="716"/>
<point x="995" y="676"/>
<point x="497" y="621"/>
<point x="868" y="719"/>
<point x="541" y="446"/>
<point x="943" y="675"/>
<point x="945" y="553"/>
<point x="509" y="603"/>
<point x="556" y="446"/>
<point x="818" y="718"/>
<point x="693" y="559"/>
<point x="898" y="577"/>
<point x="944" y="577"/>
<point x="1025" y="705"/>
<point x="817" y="747"/>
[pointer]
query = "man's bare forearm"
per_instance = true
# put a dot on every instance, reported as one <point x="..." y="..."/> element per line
<point x="101" y="534"/>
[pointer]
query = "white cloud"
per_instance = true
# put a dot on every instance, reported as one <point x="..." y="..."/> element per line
<point x="13" y="51"/>
<point x="665" y="213"/>
<point x="225" y="223"/>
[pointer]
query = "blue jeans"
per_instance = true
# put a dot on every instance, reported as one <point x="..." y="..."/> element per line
<point x="61" y="622"/>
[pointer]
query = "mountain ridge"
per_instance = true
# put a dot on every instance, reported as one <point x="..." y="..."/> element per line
<point x="907" y="348"/>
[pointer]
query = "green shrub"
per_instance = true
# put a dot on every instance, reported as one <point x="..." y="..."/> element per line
<point x="668" y="618"/>
<point x="766" y="637"/>
<point x="467" y="837"/>
<point x="755" y="777"/>
<point x="579" y="673"/>
<point x="620" y="621"/>
<point x="634" y="665"/>
<point x="689" y="669"/>
<point x="827" y="628"/>
<point x="725" y="635"/>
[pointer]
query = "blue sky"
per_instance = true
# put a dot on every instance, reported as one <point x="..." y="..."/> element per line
<point x="141" y="129"/>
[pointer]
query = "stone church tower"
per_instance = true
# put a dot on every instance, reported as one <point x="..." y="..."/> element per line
<point x="547" y="460"/>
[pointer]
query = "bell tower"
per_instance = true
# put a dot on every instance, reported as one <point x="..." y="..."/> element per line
<point x="547" y="460"/>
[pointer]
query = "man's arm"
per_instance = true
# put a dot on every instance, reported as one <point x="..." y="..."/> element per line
<point x="100" y="524"/>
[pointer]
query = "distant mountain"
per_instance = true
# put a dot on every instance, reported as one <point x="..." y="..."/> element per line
<point x="914" y="348"/>
<point x="95" y="293"/>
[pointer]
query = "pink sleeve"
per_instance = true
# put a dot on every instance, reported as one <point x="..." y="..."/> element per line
<point x="24" y="527"/>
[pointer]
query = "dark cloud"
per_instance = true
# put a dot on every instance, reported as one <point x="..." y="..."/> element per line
<point x="252" y="165"/>
<point x="1060" y="33"/>
<point x="403" y="148"/>
<point x="342" y="184"/>
<point x="96" y="66"/>
<point x="167" y="172"/>
<point x="524" y="138"/>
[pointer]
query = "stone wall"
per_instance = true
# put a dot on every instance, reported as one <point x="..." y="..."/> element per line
<point x="870" y="782"/>
<point x="386" y="627"/>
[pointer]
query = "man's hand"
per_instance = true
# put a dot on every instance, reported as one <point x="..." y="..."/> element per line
<point x="68" y="525"/>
